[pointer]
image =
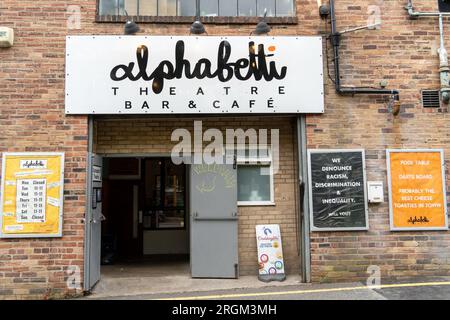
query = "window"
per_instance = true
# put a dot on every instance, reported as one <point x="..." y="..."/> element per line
<point x="164" y="195"/>
<point x="209" y="8"/>
<point x="444" y="5"/>
<point x="255" y="178"/>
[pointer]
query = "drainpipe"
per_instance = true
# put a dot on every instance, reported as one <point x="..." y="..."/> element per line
<point x="335" y="40"/>
<point x="444" y="69"/>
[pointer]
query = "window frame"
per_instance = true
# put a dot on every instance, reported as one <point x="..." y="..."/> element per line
<point x="161" y="207"/>
<point x="282" y="20"/>
<point x="258" y="162"/>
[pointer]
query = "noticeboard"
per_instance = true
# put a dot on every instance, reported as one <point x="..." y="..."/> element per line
<point x="337" y="190"/>
<point x="31" y="195"/>
<point x="417" y="197"/>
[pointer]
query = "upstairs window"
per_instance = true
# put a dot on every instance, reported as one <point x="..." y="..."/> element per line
<point x="208" y="8"/>
<point x="444" y="5"/>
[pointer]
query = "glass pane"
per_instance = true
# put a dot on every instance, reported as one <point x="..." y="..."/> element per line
<point x="285" y="8"/>
<point x="169" y="219"/>
<point x="228" y="8"/>
<point x="266" y="4"/>
<point x="131" y="7"/>
<point x="252" y="186"/>
<point x="167" y="8"/>
<point x="247" y="8"/>
<point x="262" y="154"/>
<point x="148" y="8"/>
<point x="209" y="8"/>
<point x="174" y="185"/>
<point x="152" y="183"/>
<point x="186" y="8"/>
<point x="111" y="7"/>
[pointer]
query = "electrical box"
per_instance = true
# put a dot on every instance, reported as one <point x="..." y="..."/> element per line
<point x="6" y="37"/>
<point x="375" y="192"/>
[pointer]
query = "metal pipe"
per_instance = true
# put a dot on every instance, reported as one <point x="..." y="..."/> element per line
<point x="336" y="39"/>
<point x="444" y="70"/>
<point x="87" y="215"/>
<point x="304" y="222"/>
<point x="415" y="14"/>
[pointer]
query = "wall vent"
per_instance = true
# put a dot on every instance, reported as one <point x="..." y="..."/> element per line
<point x="431" y="99"/>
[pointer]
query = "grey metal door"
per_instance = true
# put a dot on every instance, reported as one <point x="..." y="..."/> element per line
<point x="95" y="217"/>
<point x="214" y="221"/>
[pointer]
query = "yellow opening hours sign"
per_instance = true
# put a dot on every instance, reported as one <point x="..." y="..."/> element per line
<point x="32" y="195"/>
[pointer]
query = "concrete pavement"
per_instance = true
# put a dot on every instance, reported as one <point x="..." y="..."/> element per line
<point x="436" y="289"/>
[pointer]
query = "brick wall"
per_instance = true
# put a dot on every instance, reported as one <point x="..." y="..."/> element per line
<point x="32" y="119"/>
<point x="402" y="52"/>
<point x="152" y="136"/>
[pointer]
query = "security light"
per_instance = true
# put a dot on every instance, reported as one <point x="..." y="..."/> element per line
<point x="131" y="27"/>
<point x="324" y="11"/>
<point x="262" y="27"/>
<point x="197" y="26"/>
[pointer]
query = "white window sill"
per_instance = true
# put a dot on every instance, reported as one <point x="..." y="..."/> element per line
<point x="255" y="203"/>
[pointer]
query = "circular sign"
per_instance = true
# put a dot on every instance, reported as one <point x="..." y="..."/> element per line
<point x="272" y="270"/>
<point x="264" y="258"/>
<point x="279" y="265"/>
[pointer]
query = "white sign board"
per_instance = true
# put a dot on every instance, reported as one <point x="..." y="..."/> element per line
<point x="96" y="173"/>
<point x="193" y="75"/>
<point x="270" y="252"/>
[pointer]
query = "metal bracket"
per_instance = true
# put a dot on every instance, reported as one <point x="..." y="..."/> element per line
<point x="195" y="215"/>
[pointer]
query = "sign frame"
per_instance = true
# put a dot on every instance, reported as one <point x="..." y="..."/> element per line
<point x="391" y="211"/>
<point x="311" y="208"/>
<point x="61" y="196"/>
<point x="118" y="92"/>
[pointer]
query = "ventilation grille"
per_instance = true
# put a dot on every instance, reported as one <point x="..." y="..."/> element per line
<point x="431" y="99"/>
<point x="444" y="5"/>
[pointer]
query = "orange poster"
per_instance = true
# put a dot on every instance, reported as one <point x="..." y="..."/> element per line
<point x="417" y="197"/>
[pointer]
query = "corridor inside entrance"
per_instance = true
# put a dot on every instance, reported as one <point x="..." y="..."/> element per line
<point x="145" y="233"/>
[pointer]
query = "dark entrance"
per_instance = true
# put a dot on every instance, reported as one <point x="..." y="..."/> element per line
<point x="145" y="209"/>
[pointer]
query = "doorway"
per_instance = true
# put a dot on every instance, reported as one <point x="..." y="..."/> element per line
<point x="160" y="219"/>
<point x="146" y="229"/>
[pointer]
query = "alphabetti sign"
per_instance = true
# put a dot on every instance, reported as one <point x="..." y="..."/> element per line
<point x="337" y="190"/>
<point x="185" y="75"/>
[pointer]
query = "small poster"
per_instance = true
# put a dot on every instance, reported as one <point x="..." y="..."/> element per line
<point x="417" y="197"/>
<point x="338" y="197"/>
<point x="31" y="195"/>
<point x="270" y="253"/>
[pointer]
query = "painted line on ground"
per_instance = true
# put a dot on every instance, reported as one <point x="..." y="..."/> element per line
<point x="275" y="293"/>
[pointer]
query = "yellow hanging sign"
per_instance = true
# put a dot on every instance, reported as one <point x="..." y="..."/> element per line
<point x="32" y="195"/>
